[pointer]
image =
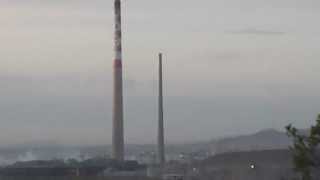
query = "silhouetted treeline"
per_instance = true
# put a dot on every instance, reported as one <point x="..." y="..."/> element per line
<point x="76" y="178"/>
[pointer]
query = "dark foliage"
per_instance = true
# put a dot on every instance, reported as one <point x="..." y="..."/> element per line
<point x="305" y="148"/>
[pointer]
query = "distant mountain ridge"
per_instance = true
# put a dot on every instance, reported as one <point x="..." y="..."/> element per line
<point x="268" y="139"/>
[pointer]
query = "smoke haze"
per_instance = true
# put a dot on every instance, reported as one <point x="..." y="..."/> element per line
<point x="230" y="67"/>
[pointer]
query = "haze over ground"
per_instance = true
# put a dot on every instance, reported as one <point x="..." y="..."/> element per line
<point x="231" y="67"/>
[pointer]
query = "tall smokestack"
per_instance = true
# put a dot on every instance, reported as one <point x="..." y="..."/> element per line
<point x="161" y="156"/>
<point x="117" y="134"/>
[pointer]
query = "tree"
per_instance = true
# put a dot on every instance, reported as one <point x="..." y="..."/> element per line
<point x="304" y="149"/>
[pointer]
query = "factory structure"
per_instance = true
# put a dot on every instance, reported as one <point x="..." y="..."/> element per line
<point x="161" y="147"/>
<point x="249" y="165"/>
<point x="117" y="165"/>
<point x="117" y="133"/>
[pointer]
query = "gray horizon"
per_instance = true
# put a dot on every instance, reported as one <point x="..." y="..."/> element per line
<point x="230" y="68"/>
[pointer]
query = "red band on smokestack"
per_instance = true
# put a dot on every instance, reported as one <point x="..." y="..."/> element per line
<point x="117" y="64"/>
<point x="117" y="134"/>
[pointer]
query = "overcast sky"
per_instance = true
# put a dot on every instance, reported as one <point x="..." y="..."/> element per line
<point x="231" y="67"/>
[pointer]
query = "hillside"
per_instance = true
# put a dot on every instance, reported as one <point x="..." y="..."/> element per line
<point x="263" y="140"/>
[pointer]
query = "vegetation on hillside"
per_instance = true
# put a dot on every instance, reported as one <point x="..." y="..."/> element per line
<point x="305" y="149"/>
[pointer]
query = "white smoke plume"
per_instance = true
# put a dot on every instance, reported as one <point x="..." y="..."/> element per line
<point x="28" y="156"/>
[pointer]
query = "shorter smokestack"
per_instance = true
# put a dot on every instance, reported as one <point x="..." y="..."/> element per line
<point x="161" y="148"/>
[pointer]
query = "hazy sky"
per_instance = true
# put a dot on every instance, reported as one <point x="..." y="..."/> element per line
<point x="231" y="67"/>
